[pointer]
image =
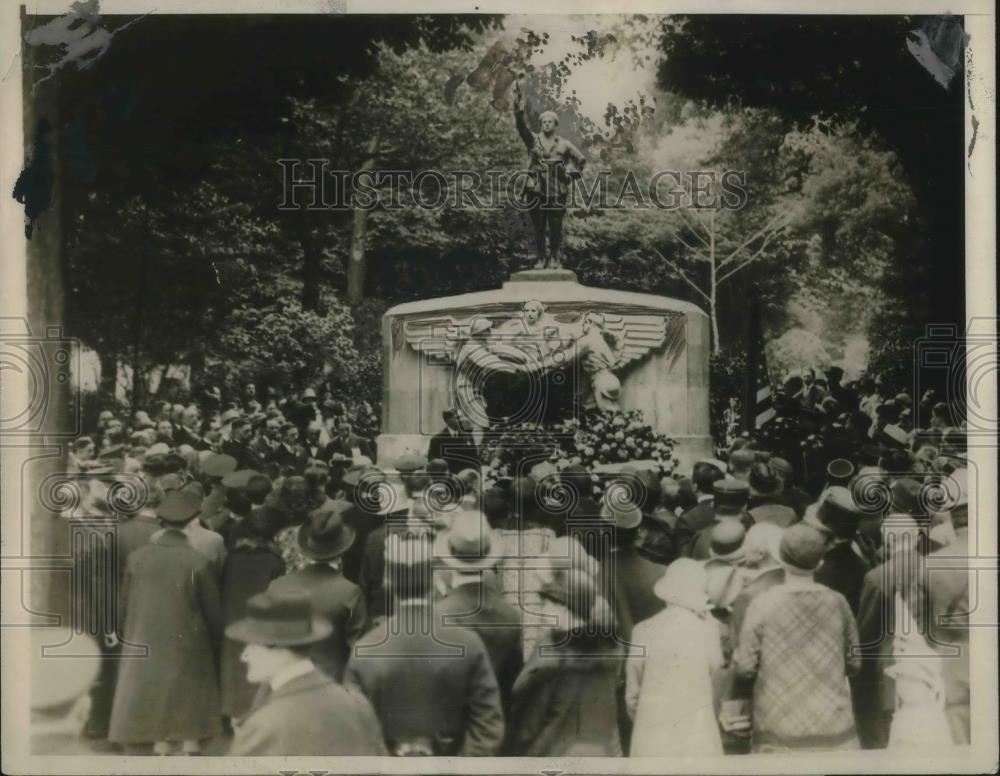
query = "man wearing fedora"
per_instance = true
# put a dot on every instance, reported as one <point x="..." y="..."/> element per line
<point x="434" y="690"/>
<point x="470" y="550"/>
<point x="301" y="711"/>
<point x="630" y="576"/>
<point x="171" y="602"/>
<point x="323" y="539"/>
<point x="837" y="517"/>
<point x="765" y="505"/>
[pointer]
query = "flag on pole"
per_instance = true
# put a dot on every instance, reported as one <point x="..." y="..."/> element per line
<point x="758" y="402"/>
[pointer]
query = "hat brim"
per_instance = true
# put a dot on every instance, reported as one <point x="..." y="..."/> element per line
<point x="735" y="555"/>
<point x="250" y="631"/>
<point x="444" y="554"/>
<point x="320" y="550"/>
<point x="815" y="522"/>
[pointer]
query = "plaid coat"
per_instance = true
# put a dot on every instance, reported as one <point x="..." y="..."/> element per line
<point x="801" y="643"/>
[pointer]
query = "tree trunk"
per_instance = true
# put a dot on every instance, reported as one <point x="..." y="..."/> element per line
<point x="357" y="259"/>
<point x="713" y="312"/>
<point x="109" y="376"/>
<point x="312" y="259"/>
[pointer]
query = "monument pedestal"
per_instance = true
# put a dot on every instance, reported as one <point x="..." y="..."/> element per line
<point x="663" y="368"/>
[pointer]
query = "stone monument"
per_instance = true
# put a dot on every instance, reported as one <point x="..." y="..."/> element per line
<point x="544" y="347"/>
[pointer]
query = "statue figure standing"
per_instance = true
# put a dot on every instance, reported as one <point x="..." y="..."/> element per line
<point x="553" y="162"/>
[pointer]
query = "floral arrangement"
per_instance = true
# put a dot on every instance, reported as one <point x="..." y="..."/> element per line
<point x="593" y="440"/>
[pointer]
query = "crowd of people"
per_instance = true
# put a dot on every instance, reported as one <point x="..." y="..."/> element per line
<point x="297" y="595"/>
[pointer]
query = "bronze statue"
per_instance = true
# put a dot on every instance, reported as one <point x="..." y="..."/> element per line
<point x="553" y="163"/>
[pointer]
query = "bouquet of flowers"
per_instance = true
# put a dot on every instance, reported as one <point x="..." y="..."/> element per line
<point x="595" y="439"/>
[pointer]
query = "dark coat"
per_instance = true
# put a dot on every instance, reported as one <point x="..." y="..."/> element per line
<point x="371" y="577"/>
<point x="363" y="523"/>
<point x="844" y="571"/>
<point x="429" y="686"/>
<point x="173" y="606"/>
<point x="130" y="536"/>
<point x="700" y="516"/>
<point x="246" y="457"/>
<point x="295" y="458"/>
<point x="248" y="570"/>
<point x="458" y="450"/>
<point x="337" y="599"/>
<point x="345" y="447"/>
<point x="482" y="608"/>
<point x="634" y="600"/>
<point x="566" y="703"/>
<point x="311" y="715"/>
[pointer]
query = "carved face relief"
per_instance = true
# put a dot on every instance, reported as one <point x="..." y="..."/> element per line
<point x="533" y="311"/>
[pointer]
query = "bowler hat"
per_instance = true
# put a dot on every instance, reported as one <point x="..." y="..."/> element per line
<point x="727" y="539"/>
<point x="837" y="513"/>
<point x="731" y="495"/>
<point x="280" y="619"/>
<point x="218" y="465"/>
<point x="325" y="535"/>
<point x="178" y="507"/>
<point x="437" y="467"/>
<point x="64" y="664"/>
<point x="839" y="471"/>
<point x="802" y="548"/>
<point x="469" y="544"/>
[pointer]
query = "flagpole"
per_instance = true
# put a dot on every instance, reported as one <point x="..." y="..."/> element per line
<point x="749" y="420"/>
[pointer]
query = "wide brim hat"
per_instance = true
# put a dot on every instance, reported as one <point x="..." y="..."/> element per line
<point x="836" y="513"/>
<point x="684" y="584"/>
<point x="469" y="544"/>
<point x="178" y="507"/>
<point x="325" y="535"/>
<point x="282" y="619"/>
<point x="218" y="465"/>
<point x="239" y="479"/>
<point x="410" y="462"/>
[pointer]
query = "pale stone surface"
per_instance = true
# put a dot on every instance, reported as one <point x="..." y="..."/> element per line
<point x="670" y="384"/>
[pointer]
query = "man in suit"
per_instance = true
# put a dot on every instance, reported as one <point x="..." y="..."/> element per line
<point x="302" y="711"/>
<point x="238" y="446"/>
<point x="469" y="549"/>
<point x="703" y="477"/>
<point x="434" y="690"/>
<point x="324" y="538"/>
<point x="348" y="444"/>
<point x="289" y="454"/>
<point x="454" y="444"/>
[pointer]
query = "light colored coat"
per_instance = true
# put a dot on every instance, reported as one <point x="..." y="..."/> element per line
<point x="669" y="691"/>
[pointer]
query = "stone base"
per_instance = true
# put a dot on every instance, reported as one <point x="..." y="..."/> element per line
<point x="539" y="275"/>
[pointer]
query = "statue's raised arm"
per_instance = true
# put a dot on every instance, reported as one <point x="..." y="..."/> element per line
<point x="553" y="163"/>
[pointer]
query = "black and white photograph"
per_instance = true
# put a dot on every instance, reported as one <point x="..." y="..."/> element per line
<point x="486" y="382"/>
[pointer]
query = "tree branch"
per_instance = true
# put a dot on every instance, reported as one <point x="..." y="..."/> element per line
<point x="682" y="274"/>
<point x="752" y="259"/>
<point x="762" y="231"/>
<point x="691" y="248"/>
<point x="692" y="224"/>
